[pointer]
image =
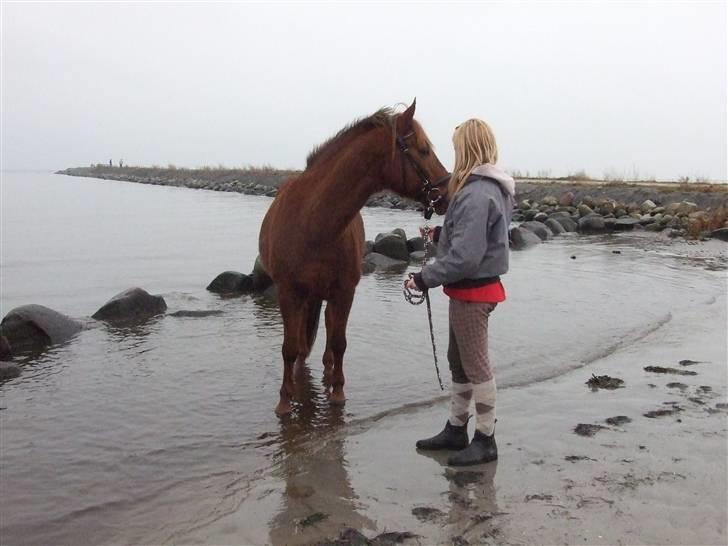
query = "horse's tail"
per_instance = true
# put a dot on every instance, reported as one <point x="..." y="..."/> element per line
<point x="312" y="323"/>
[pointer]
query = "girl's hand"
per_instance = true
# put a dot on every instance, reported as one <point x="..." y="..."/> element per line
<point x="410" y="284"/>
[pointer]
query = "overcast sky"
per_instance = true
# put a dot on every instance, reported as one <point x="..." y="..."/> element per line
<point x="617" y="88"/>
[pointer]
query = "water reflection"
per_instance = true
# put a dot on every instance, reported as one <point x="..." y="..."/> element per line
<point x="317" y="489"/>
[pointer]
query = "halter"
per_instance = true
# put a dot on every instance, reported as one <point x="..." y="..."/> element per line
<point x="427" y="186"/>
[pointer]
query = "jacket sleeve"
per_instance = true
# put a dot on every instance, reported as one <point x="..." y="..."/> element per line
<point x="468" y="243"/>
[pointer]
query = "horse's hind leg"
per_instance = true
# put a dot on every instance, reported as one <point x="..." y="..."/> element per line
<point x="337" y="316"/>
<point x="292" y="307"/>
<point x="307" y="336"/>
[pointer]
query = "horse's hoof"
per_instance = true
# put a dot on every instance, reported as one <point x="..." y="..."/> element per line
<point x="337" y="399"/>
<point x="283" y="408"/>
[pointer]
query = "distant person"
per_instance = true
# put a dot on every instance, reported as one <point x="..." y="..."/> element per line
<point x="472" y="253"/>
<point x="121" y="163"/>
<point x="110" y="163"/>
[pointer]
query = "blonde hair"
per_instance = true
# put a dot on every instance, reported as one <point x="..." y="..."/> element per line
<point x="475" y="145"/>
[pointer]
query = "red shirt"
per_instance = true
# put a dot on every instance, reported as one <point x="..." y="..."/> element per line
<point x="489" y="293"/>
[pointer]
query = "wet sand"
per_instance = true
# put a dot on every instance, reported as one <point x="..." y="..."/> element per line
<point x="658" y="480"/>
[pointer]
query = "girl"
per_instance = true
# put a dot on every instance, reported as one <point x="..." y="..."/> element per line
<point x="472" y="254"/>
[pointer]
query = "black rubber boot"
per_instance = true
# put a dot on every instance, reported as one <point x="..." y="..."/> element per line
<point x="451" y="437"/>
<point x="481" y="450"/>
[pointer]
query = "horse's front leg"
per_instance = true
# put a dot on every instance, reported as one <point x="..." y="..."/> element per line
<point x="291" y="307"/>
<point x="337" y="316"/>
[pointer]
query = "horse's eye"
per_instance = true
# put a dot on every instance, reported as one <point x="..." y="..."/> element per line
<point x="425" y="151"/>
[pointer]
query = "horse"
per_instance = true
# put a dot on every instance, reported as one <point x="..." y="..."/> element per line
<point x="311" y="241"/>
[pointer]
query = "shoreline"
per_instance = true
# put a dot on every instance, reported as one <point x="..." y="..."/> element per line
<point x="647" y="480"/>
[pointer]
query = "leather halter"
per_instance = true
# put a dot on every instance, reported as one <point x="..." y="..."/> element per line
<point x="427" y="186"/>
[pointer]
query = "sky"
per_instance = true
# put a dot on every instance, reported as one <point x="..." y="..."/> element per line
<point x="616" y="89"/>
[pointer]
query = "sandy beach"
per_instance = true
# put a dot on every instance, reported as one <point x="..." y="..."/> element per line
<point x="643" y="480"/>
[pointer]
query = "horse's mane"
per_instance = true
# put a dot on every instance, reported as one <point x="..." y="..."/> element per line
<point x="384" y="117"/>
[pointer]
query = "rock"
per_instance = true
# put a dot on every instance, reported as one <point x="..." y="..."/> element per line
<point x="592" y="224"/>
<point x="555" y="226"/>
<point x="524" y="205"/>
<point x="400" y="232"/>
<point x="368" y="247"/>
<point x="5" y="349"/>
<point x="584" y="210"/>
<point x="672" y="208"/>
<point x="588" y="201"/>
<point x="539" y="228"/>
<point x="385" y="263"/>
<point x="646" y="219"/>
<point x="132" y="305"/>
<point x="620" y="211"/>
<point x="609" y="223"/>
<point x="8" y="370"/>
<point x="721" y="233"/>
<point x="522" y="238"/>
<point x="33" y="327"/>
<point x="654" y="227"/>
<point x="367" y="267"/>
<point x="531" y="214"/>
<point x="625" y="224"/>
<point x="566" y="199"/>
<point x="685" y="208"/>
<point x="415" y="244"/>
<point x="550" y="201"/>
<point x="606" y="208"/>
<point x="647" y="206"/>
<point x="231" y="282"/>
<point x="195" y="313"/>
<point x="261" y="279"/>
<point x="417" y="256"/>
<point x="393" y="246"/>
<point x="565" y="220"/>
<point x="540" y="217"/>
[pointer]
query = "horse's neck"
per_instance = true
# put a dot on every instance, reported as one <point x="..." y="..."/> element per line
<point x="338" y="196"/>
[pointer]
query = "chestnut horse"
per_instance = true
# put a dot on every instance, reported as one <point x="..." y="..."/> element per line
<point x="312" y="237"/>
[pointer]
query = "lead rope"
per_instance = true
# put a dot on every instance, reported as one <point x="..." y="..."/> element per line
<point x="416" y="298"/>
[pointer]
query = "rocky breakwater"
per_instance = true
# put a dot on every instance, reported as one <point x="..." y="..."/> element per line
<point x="550" y="215"/>
<point x="250" y="181"/>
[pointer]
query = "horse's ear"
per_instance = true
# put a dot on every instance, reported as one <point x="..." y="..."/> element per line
<point x="404" y="120"/>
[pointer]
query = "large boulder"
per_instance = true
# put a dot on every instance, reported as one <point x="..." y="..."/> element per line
<point x="521" y="239"/>
<point x="592" y="224"/>
<point x="555" y="226"/>
<point x="231" y="282"/>
<point x="379" y="262"/>
<point x="392" y="245"/>
<point x="261" y="279"/>
<point x="132" y="305"/>
<point x="539" y="228"/>
<point x="34" y="327"/>
<point x="415" y="244"/>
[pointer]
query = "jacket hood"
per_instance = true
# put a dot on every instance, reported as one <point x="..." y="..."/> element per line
<point x="503" y="178"/>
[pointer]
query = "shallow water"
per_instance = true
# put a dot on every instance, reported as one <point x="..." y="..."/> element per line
<point x="124" y="434"/>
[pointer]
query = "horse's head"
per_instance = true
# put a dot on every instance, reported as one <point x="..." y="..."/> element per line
<point x="416" y="172"/>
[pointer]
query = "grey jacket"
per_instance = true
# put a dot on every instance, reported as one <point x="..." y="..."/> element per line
<point x="473" y="246"/>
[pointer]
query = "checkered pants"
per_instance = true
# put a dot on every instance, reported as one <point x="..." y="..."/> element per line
<point x="468" y="348"/>
<point x="472" y="376"/>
